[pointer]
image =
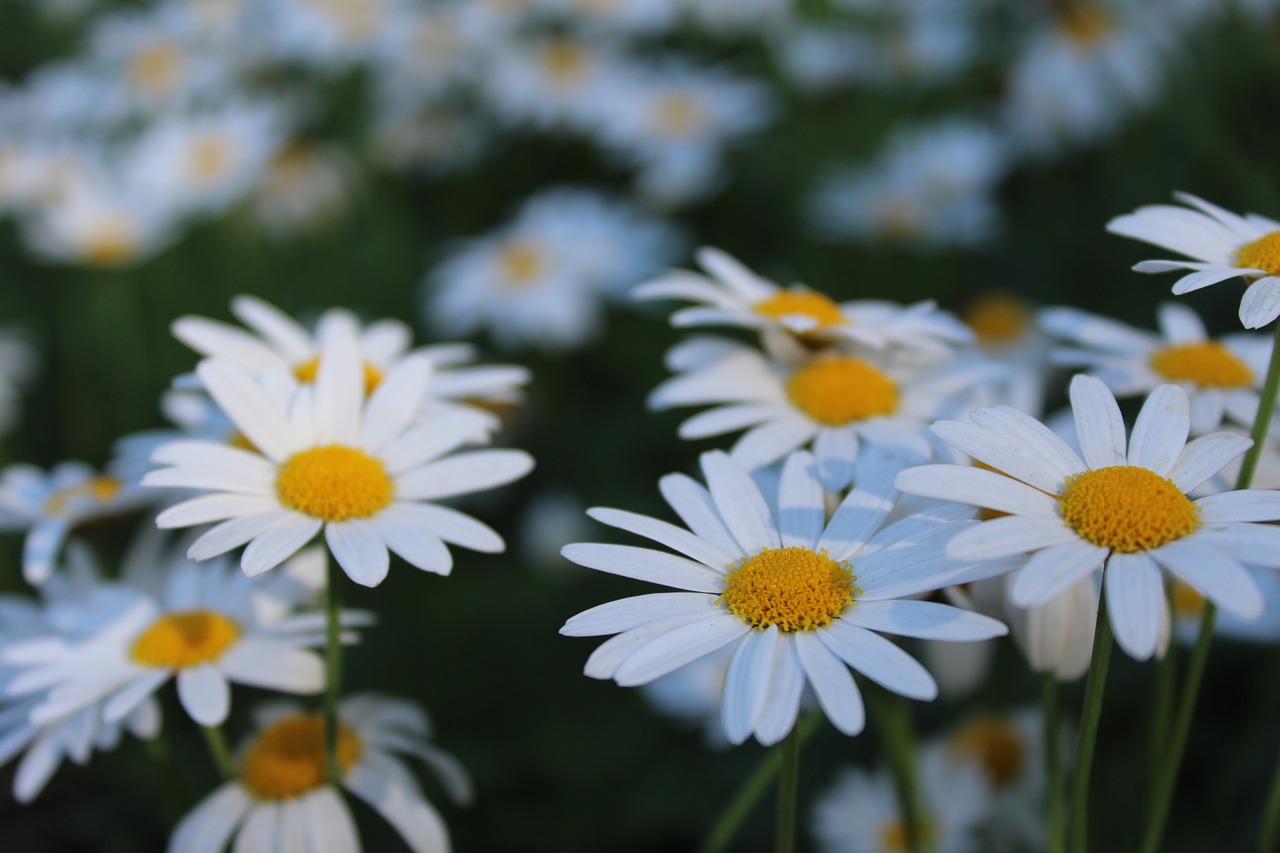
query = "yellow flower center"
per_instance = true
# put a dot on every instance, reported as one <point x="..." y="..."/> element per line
<point x="996" y="746"/>
<point x="1085" y="23"/>
<point x="307" y="371"/>
<point x="997" y="318"/>
<point x="521" y="263"/>
<point x="288" y="758"/>
<point x="156" y="68"/>
<point x="565" y="61"/>
<point x="1206" y="363"/>
<point x="1261" y="254"/>
<point x="185" y="638"/>
<point x="841" y="390"/>
<point x="678" y="115"/>
<point x="1186" y="600"/>
<point x="210" y="158"/>
<point x="109" y="243"/>
<point x="793" y="588"/>
<point x="101" y="489"/>
<point x="799" y="301"/>
<point x="334" y="483"/>
<point x="894" y="837"/>
<point x="1127" y="508"/>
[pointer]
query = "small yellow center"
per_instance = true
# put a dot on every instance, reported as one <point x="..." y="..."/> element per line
<point x="1261" y="254"/>
<point x="110" y="242"/>
<point x="1206" y="363"/>
<point x="678" y="115"/>
<point x="1187" y="602"/>
<point x="288" y="758"/>
<point x="841" y="390"/>
<point x="156" y="68"/>
<point x="521" y="263"/>
<point x="996" y="746"/>
<point x="101" y="489"/>
<point x="185" y="638"/>
<point x="798" y="301"/>
<point x="997" y="318"/>
<point x="1085" y="23"/>
<point x="334" y="483"/>
<point x="1127" y="508"/>
<point x="210" y="158"/>
<point x="565" y="61"/>
<point x="307" y="371"/>
<point x="793" y="588"/>
<point x="894" y="837"/>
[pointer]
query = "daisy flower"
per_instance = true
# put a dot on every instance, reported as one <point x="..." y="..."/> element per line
<point x="1223" y="245"/>
<point x="836" y="401"/>
<point x="282" y="798"/>
<point x="1007" y="331"/>
<point x="1222" y="377"/>
<point x="1122" y="509"/>
<point x="800" y="600"/>
<point x="327" y="458"/>
<point x="732" y="295"/>
<point x="201" y="625"/>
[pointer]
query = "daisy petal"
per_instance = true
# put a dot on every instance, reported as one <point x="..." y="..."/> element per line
<point x="359" y="550"/>
<point x="1053" y="570"/>
<point x="1205" y="456"/>
<point x="739" y="503"/>
<point x="271" y="549"/>
<point x="1260" y="303"/>
<point x="801" y="515"/>
<point x="1242" y="505"/>
<point x="1006" y="453"/>
<point x="614" y="652"/>
<point x="926" y="620"/>
<point x="693" y="503"/>
<point x="970" y="485"/>
<point x="677" y="647"/>
<point x="1160" y="432"/>
<point x="1254" y="544"/>
<point x="878" y="659"/>
<point x="771" y="441"/>
<point x="837" y="452"/>
<point x="862" y="512"/>
<point x="783" y="702"/>
<point x="832" y="682"/>
<point x="1010" y="535"/>
<point x="673" y="537"/>
<point x="205" y="694"/>
<point x="1099" y="424"/>
<point x="646" y="565"/>
<point x="1135" y="599"/>
<point x="234" y="533"/>
<point x="413" y="817"/>
<point x="330" y="828"/>
<point x="273" y="665"/>
<point x="627" y="613"/>
<point x="463" y="473"/>
<point x="1215" y="573"/>
<point x="747" y="683"/>
<point x="258" y="416"/>
<point x="417" y="547"/>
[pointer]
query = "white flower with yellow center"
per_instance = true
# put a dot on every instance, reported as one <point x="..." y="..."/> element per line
<point x="206" y="626"/>
<point x="556" y="82"/>
<point x="1222" y="377"/>
<point x="732" y="295"/>
<point x="1006" y="331"/>
<point x="282" y="798"/>
<point x="1122" y="509"/>
<point x="800" y="598"/>
<point x="327" y="458"/>
<point x="1223" y="244"/>
<point x="835" y="401"/>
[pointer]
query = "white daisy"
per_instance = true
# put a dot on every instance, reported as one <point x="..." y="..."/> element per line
<point x="835" y="401"/>
<point x="303" y="188"/>
<point x="1223" y="244"/>
<point x="201" y="625"/>
<point x="1187" y="607"/>
<point x="1006" y="331"/>
<point x="282" y="799"/>
<point x="732" y="295"/>
<point x="1122" y="510"/>
<point x="17" y="364"/>
<point x="1222" y="377"/>
<point x="801" y="599"/>
<point x="326" y="458"/>
<point x="558" y="82"/>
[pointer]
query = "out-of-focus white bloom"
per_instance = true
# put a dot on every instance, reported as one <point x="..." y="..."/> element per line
<point x="431" y="140"/>
<point x="329" y="35"/>
<point x="694" y="694"/>
<point x="558" y="82"/>
<point x="1188" y="608"/>
<point x="552" y="519"/>
<point x="618" y="17"/>
<point x="304" y="186"/>
<point x="1006" y="331"/>
<point x="738" y="17"/>
<point x="543" y="279"/>
<point x="17" y="363"/>
<point x="930" y="187"/>
<point x="429" y="49"/>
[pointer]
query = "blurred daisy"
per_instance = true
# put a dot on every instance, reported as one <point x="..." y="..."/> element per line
<point x="694" y="694"/>
<point x="328" y="35"/>
<point x="801" y="600"/>
<point x="203" y="626"/>
<point x="283" y="800"/>
<point x="1223" y="244"/>
<point x="1007" y="332"/>
<point x="326" y="458"/>
<point x="548" y="83"/>
<point x="860" y="812"/>
<point x="1222" y="377"/>
<point x="835" y="401"/>
<point x="1125" y="511"/>
<point x="1009" y="748"/>
<point x="17" y="364"/>
<point x="304" y="187"/>
<point x="1188" y="605"/>
<point x="99" y="222"/>
<point x="732" y="295"/>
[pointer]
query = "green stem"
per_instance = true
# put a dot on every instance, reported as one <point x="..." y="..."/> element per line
<point x="1266" y="408"/>
<point x="1268" y="837"/>
<point x="1056" y="817"/>
<point x="722" y="834"/>
<point x="894" y="724"/>
<point x="788" y="782"/>
<point x="173" y="785"/>
<point x="332" y="666"/>
<point x="218" y="751"/>
<point x="1089" y="729"/>
<point x="1161" y="714"/>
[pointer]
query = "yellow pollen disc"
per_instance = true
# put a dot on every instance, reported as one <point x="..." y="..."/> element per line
<point x="334" y="483"/>
<point x="1127" y="508"/>
<point x="798" y="301"/>
<point x="1206" y="363"/>
<point x="110" y="244"/>
<point x="1261" y="254"/>
<point x="521" y="262"/>
<point x="841" y="390"/>
<point x="996" y="746"/>
<point x="156" y="68"/>
<point x="185" y="638"/>
<point x="1085" y="24"/>
<point x="288" y="758"/>
<point x="997" y="318"/>
<point x="1186" y="600"/>
<point x="793" y="588"/>
<point x="565" y="61"/>
<point x="210" y="158"/>
<point x="307" y="371"/>
<point x="678" y="115"/>
<point x="101" y="489"/>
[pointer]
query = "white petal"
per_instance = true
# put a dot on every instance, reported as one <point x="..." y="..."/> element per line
<point x="258" y="416"/>
<point x="271" y="549"/>
<point x="783" y="702"/>
<point x="1160" y="432"/>
<point x="394" y="402"/>
<point x="413" y="817"/>
<point x="420" y="549"/>
<point x="464" y="473"/>
<point x="1260" y="303"/>
<point x="878" y="659"/>
<point x="1053" y="570"/>
<point x="1254" y="544"/>
<point x="204" y="694"/>
<point x="339" y="389"/>
<point x="274" y="665"/>
<point x="215" y="507"/>
<point x="747" y="683"/>
<point x="837" y="694"/>
<point x="739" y="503"/>
<point x="359" y="550"/>
<point x="674" y="649"/>
<point x="1241" y="505"/>
<point x="133" y="694"/>
<point x="1135" y="599"/>
<point x="207" y="828"/>
<point x="970" y="485"/>
<point x="836" y="449"/>
<point x="923" y="619"/>
<point x="1179" y="324"/>
<point x="646" y="565"/>
<point x="329" y="825"/>
<point x="801" y="515"/>
<point x="1205" y="456"/>
<point x="627" y="613"/>
<point x="453" y="526"/>
<point x="724" y="419"/>
<point x="1031" y="435"/>
<point x="237" y="531"/>
<point x="613" y="653"/>
<point x="1214" y="572"/>
<point x="1007" y="453"/>
<point x="693" y="503"/>
<point x="673" y="537"/>
<point x="1204" y="278"/>
<point x="1010" y="535"/>
<point x="862" y="512"/>
<point x="1099" y="424"/>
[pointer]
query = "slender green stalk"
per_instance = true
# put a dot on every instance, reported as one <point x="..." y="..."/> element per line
<point x="1266" y="408"/>
<point x="218" y="751"/>
<point x="788" y="782"/>
<point x="722" y="834"/>
<point x="332" y="666"/>
<point x="1268" y="837"/>
<point x="1055" y="815"/>
<point x="894" y="724"/>
<point x="173" y="785"/>
<point x="1089" y="729"/>
<point x="1161" y="714"/>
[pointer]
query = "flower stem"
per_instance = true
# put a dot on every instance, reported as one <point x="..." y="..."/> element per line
<point x="1266" y="408"/>
<point x="894" y="724"/>
<point x="788" y="782"/>
<point x="218" y="751"/>
<point x="1162" y="712"/>
<point x="1056" y="817"/>
<point x="753" y="789"/>
<point x="1089" y="729"/>
<point x="332" y="667"/>
<point x="1267" y="838"/>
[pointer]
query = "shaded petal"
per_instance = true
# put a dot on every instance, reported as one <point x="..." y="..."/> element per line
<point x="1135" y="600"/>
<point x="926" y="620"/>
<point x="258" y="415"/>
<point x="801" y="514"/>
<point x="463" y="473"/>
<point x="627" y="613"/>
<point x="739" y="503"/>
<point x="1240" y="505"/>
<point x="693" y="503"/>
<point x="1215" y="573"/>
<point x="1010" y="535"/>
<point x="1260" y="303"/>
<point x="1053" y="570"/>
<point x="674" y="649"/>
<point x="832" y="682"/>
<point x="1160" y="432"/>
<point x="1099" y="424"/>
<point x="862" y="512"/>
<point x="970" y="485"/>
<point x="878" y="659"/>
<point x="783" y="702"/>
<point x="205" y="694"/>
<point x="673" y="537"/>
<point x="359" y="550"/>
<point x="1205" y="456"/>
<point x="747" y="683"/>
<point x="646" y="565"/>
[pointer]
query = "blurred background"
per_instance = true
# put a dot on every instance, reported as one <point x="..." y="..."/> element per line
<point x="503" y="172"/>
